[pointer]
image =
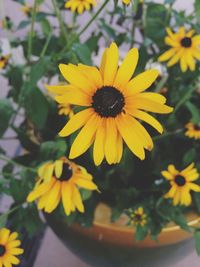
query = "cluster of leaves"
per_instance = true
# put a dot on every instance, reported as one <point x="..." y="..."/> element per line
<point x="33" y="116"/>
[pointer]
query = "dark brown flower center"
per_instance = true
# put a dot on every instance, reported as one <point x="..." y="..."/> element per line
<point x="108" y="101"/>
<point x="138" y="218"/>
<point x="2" y="250"/>
<point x="66" y="172"/>
<point x="186" y="42"/>
<point x="197" y="127"/>
<point x="180" y="180"/>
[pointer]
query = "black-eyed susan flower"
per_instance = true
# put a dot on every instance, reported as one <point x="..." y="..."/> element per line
<point x="185" y="49"/>
<point x="9" y="248"/>
<point x="4" y="61"/>
<point x="80" y="6"/>
<point x="181" y="184"/>
<point x="64" y="184"/>
<point x="113" y="104"/>
<point x="193" y="130"/>
<point x="138" y="217"/>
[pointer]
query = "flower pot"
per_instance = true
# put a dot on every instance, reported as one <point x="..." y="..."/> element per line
<point x="108" y="244"/>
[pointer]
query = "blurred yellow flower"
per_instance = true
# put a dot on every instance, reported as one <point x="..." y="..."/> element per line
<point x="138" y="217"/>
<point x="9" y="248"/>
<point x="80" y="6"/>
<point x="185" y="49"/>
<point x="4" y="61"/>
<point x="61" y="180"/>
<point x="181" y="184"/>
<point x="193" y="130"/>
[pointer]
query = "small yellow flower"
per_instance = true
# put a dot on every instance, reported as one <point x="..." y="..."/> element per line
<point x="61" y="180"/>
<point x="185" y="49"/>
<point x="113" y="102"/>
<point x="26" y="9"/>
<point x="181" y="184"/>
<point x="193" y="130"/>
<point x="138" y="217"/>
<point x="4" y="61"/>
<point x="9" y="248"/>
<point x="80" y="5"/>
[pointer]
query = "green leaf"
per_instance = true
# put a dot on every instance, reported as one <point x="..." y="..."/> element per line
<point x="197" y="9"/>
<point x="46" y="27"/>
<point x="6" y="111"/>
<point x="197" y="241"/>
<point x="51" y="150"/>
<point x="194" y="112"/>
<point x="18" y="190"/>
<point x="197" y="200"/>
<point x="3" y="220"/>
<point x="15" y="78"/>
<point x="36" y="106"/>
<point x="38" y="70"/>
<point x="141" y="232"/>
<point x="83" y="53"/>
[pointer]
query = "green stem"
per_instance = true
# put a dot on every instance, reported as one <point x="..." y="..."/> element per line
<point x="159" y="137"/>
<point x="4" y="158"/>
<point x="185" y="98"/>
<point x="46" y="45"/>
<point x="92" y="19"/>
<point x="85" y="27"/>
<point x="30" y="37"/>
<point x="60" y="20"/>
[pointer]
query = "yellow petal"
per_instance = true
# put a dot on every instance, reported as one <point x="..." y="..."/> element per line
<point x="76" y="122"/>
<point x="176" y="58"/>
<point x="75" y="77"/>
<point x="4" y="235"/>
<point x="76" y="198"/>
<point x="103" y="62"/>
<point x="141" y="82"/>
<point x="16" y="251"/>
<point x="152" y="106"/>
<point x="127" y="131"/>
<point x="54" y="197"/>
<point x="111" y="65"/>
<point x="119" y="146"/>
<point x="85" y="137"/>
<point x="167" y="175"/>
<point x="148" y="119"/>
<point x="84" y="183"/>
<point x="93" y="74"/>
<point x="74" y="97"/>
<point x="58" y="168"/>
<point x="110" y="141"/>
<point x="167" y="55"/>
<point x="127" y="68"/>
<point x="13" y="236"/>
<point x="40" y="190"/>
<point x="98" y="151"/>
<point x="151" y="96"/>
<point x="194" y="187"/>
<point x="58" y="89"/>
<point x="67" y="197"/>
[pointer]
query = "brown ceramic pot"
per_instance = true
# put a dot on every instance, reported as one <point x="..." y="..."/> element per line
<point x="108" y="244"/>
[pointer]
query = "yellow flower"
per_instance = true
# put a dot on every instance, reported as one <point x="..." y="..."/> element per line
<point x="126" y="2"/>
<point x="181" y="184"/>
<point x="80" y="5"/>
<point x="64" y="183"/>
<point x="185" y="48"/>
<point x="66" y="109"/>
<point x="26" y="9"/>
<point x="4" y="61"/>
<point x="9" y="248"/>
<point x="138" y="217"/>
<point x="193" y="130"/>
<point x="114" y="102"/>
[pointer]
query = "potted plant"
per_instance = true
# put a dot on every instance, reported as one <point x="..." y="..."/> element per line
<point x="109" y="128"/>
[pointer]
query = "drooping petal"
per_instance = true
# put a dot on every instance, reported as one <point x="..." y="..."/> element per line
<point x="127" y="131"/>
<point x="84" y="183"/>
<point x="110" y="140"/>
<point x="40" y="190"/>
<point x="98" y="151"/>
<point x="54" y="197"/>
<point x="66" y="191"/>
<point x="76" y="198"/>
